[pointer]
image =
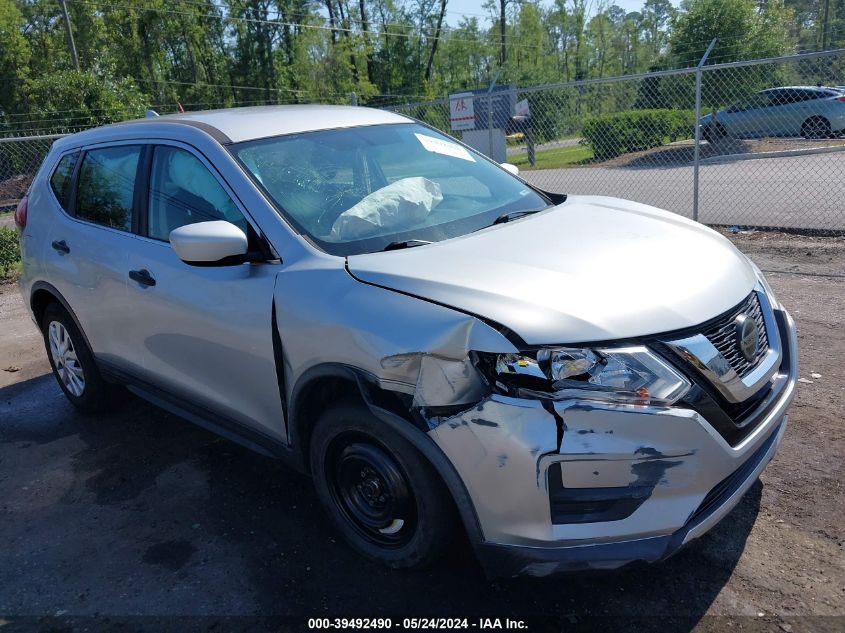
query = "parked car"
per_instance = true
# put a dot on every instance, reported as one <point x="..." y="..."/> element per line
<point x="808" y="111"/>
<point x="576" y="381"/>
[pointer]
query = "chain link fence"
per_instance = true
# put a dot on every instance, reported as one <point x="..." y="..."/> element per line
<point x="768" y="150"/>
<point x="20" y="158"/>
<point x="747" y="144"/>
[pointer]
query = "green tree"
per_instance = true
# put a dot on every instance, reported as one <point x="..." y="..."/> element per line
<point x="14" y="56"/>
<point x="91" y="99"/>
<point x="741" y="30"/>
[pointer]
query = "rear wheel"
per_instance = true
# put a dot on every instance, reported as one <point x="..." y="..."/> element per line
<point x="72" y="362"/>
<point x="380" y="493"/>
<point x="816" y="127"/>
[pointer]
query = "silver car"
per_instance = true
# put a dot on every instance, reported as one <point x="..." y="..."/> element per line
<point x="575" y="381"/>
<point x="810" y="111"/>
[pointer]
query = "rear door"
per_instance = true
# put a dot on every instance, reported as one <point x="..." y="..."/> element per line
<point x="793" y="105"/>
<point x="87" y="244"/>
<point x="206" y="331"/>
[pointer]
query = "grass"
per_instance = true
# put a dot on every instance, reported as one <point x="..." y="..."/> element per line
<point x="554" y="158"/>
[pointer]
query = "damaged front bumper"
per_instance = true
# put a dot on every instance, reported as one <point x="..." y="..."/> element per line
<point x="576" y="485"/>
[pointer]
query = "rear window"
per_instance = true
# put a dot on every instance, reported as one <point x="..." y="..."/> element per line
<point x="107" y="186"/>
<point x="62" y="176"/>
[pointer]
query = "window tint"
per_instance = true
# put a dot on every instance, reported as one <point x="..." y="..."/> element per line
<point x="106" y="186"/>
<point x="60" y="180"/>
<point x="183" y="191"/>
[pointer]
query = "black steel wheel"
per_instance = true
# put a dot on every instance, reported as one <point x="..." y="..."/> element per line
<point x="371" y="491"/>
<point x="378" y="490"/>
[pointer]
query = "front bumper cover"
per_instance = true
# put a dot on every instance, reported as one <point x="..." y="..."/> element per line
<point x="503" y="450"/>
<point x="511" y="560"/>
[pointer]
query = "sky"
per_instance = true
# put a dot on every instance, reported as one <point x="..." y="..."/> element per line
<point x="455" y="8"/>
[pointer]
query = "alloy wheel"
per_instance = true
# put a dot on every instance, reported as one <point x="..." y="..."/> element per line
<point x="66" y="363"/>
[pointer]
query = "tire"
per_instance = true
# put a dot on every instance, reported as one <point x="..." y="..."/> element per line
<point x="714" y="132"/>
<point x="815" y="128"/>
<point x="72" y="361"/>
<point x="385" y="499"/>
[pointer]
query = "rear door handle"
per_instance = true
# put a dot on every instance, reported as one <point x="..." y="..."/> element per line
<point x="61" y="246"/>
<point x="142" y="276"/>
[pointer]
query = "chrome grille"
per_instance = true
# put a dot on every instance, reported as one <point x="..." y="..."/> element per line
<point x="723" y="336"/>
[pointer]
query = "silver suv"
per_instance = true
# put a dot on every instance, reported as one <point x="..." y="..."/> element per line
<point x="577" y="382"/>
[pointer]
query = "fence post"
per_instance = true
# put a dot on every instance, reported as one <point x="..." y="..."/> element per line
<point x="698" y="74"/>
<point x="490" y="113"/>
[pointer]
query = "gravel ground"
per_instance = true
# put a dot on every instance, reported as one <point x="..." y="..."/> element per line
<point x="138" y="514"/>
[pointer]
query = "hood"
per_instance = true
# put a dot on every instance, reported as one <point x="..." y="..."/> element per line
<point x="590" y="269"/>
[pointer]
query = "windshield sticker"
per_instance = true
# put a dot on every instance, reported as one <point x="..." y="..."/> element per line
<point x="446" y="148"/>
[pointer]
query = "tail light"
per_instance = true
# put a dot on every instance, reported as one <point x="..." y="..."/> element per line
<point x="840" y="98"/>
<point x="20" y="213"/>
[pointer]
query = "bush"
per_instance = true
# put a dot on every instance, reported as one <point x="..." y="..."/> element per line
<point x="10" y="252"/>
<point x="613" y="134"/>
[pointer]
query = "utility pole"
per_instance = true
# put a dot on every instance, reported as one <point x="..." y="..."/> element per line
<point x="71" y="44"/>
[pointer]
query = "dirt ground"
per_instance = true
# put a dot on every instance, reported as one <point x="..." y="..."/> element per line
<point x="138" y="514"/>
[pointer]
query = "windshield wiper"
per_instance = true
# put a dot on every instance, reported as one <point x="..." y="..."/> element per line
<point x="514" y="215"/>
<point x="395" y="246"/>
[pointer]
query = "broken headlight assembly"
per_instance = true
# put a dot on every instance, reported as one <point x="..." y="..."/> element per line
<point x="629" y="375"/>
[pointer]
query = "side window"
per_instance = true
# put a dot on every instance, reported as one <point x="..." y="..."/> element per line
<point x="183" y="191"/>
<point x="107" y="186"/>
<point x="62" y="176"/>
<point x="778" y="97"/>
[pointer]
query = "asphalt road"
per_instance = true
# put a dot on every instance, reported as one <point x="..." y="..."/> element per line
<point x="139" y="513"/>
<point x="798" y="192"/>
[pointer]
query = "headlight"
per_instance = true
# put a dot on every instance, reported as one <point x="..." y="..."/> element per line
<point x="625" y="375"/>
<point x="773" y="300"/>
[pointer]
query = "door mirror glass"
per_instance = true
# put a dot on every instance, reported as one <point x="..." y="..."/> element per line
<point x="510" y="168"/>
<point x="209" y="243"/>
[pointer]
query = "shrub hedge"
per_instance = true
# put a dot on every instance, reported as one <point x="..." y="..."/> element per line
<point x="611" y="135"/>
<point x="10" y="252"/>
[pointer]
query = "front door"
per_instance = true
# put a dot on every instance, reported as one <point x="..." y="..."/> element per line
<point x="206" y="331"/>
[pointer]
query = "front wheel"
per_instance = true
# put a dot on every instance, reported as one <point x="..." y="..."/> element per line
<point x="380" y="493"/>
<point x="72" y="362"/>
<point x="714" y="132"/>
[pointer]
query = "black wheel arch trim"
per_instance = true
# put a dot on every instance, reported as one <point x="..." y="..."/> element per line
<point x="373" y="397"/>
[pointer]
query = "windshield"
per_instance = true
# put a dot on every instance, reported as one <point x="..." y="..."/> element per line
<point x="357" y="190"/>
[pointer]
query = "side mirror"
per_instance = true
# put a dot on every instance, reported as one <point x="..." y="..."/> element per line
<point x="209" y="243"/>
<point x="510" y="168"/>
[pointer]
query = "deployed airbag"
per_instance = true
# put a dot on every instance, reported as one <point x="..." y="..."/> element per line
<point x="398" y="206"/>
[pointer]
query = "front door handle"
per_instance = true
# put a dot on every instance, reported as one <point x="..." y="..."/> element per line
<point x="61" y="246"/>
<point x="143" y="277"/>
